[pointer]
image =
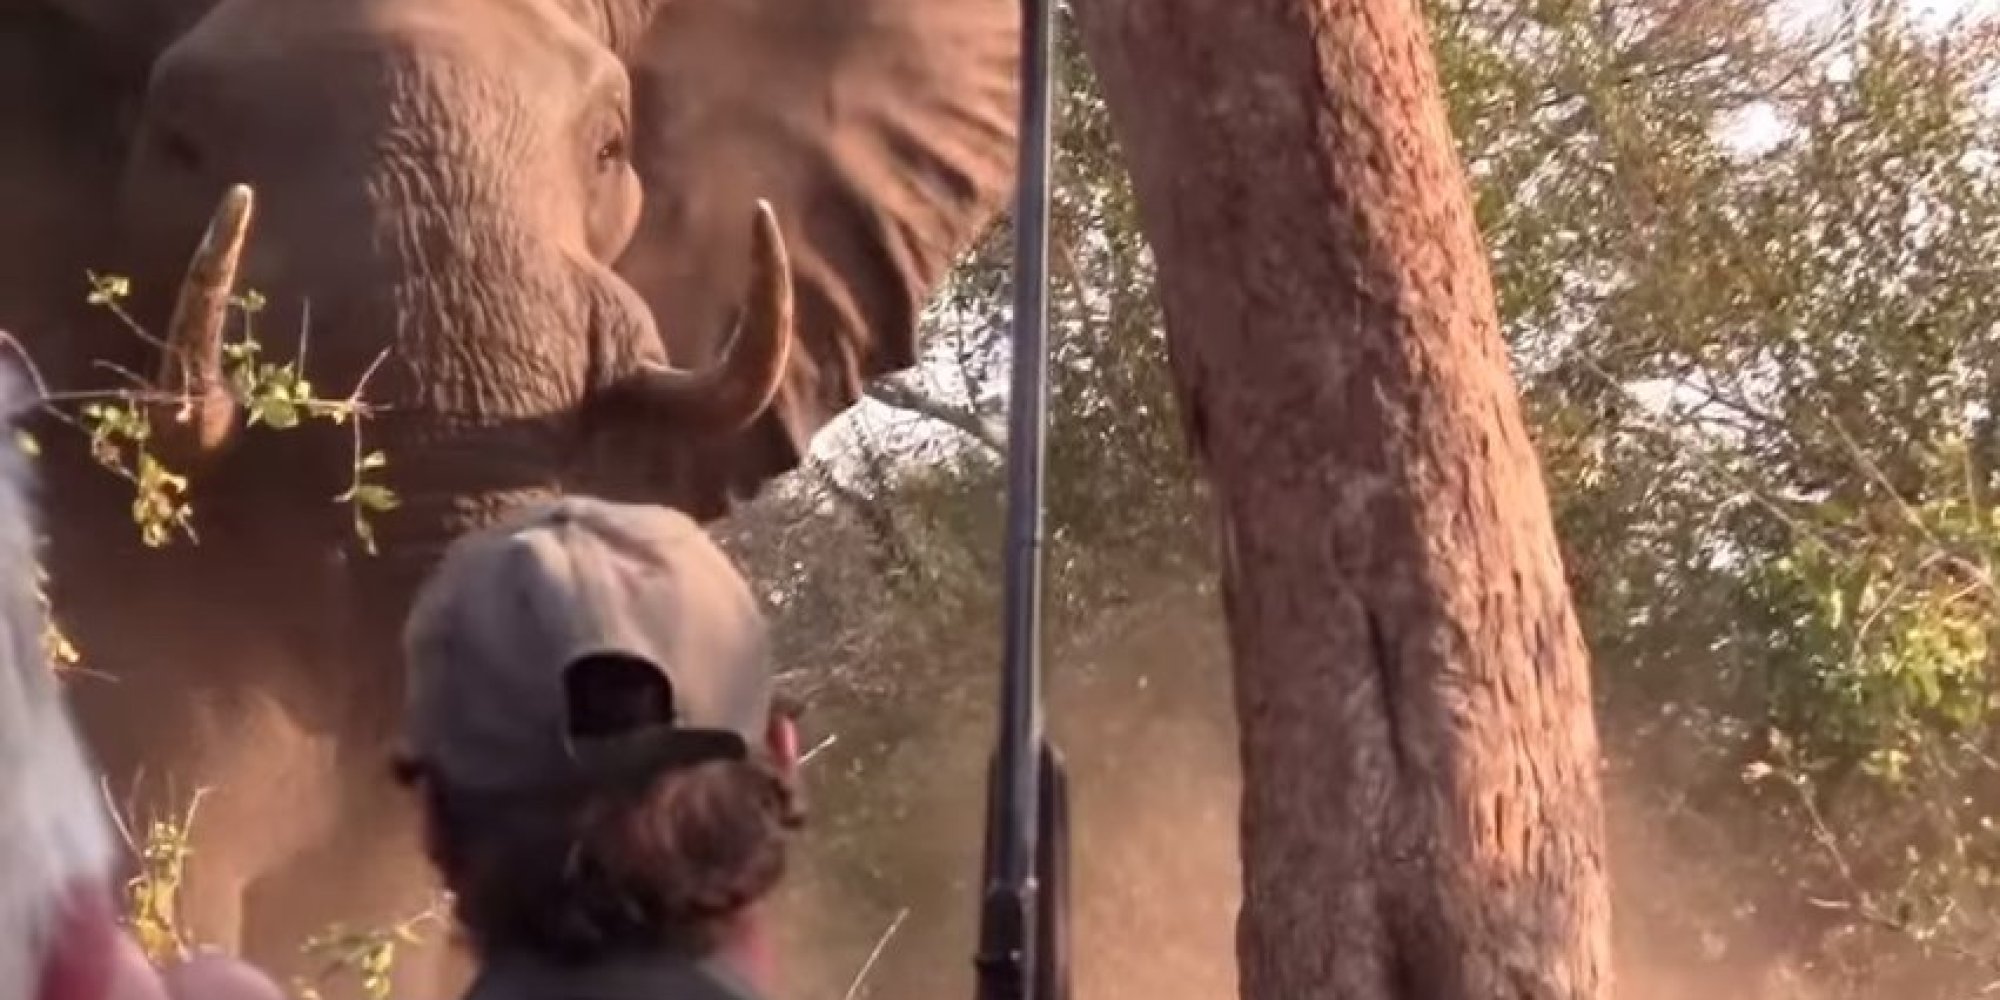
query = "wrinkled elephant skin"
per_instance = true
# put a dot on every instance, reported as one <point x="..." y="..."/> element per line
<point x="534" y="224"/>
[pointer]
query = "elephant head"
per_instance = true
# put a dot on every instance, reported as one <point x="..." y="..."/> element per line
<point x="642" y="248"/>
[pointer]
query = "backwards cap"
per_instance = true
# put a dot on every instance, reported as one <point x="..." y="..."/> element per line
<point x="497" y="634"/>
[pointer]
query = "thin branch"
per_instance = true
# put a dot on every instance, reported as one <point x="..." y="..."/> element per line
<point x="830" y="740"/>
<point x="961" y="419"/>
<point x="854" y="988"/>
<point x="117" y="818"/>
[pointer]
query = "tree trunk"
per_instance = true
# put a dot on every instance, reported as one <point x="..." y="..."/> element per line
<point x="1420" y="813"/>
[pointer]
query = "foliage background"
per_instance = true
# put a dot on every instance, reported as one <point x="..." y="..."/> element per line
<point x="1746" y="263"/>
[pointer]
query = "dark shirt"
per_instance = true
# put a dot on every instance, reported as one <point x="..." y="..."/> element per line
<point x="664" y="976"/>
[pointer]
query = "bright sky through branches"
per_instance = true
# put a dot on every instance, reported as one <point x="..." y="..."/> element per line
<point x="1941" y="9"/>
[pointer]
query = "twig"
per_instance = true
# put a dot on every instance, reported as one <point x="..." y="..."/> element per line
<point x="117" y="819"/>
<point x="1898" y="584"/>
<point x="361" y="383"/>
<point x="962" y="419"/>
<point x="854" y="988"/>
<point x="354" y="401"/>
<point x="21" y="351"/>
<point x="1869" y="467"/>
<point x="830" y="740"/>
<point x="129" y="375"/>
<point x="110" y="302"/>
<point x="305" y="329"/>
<point x="1857" y="902"/>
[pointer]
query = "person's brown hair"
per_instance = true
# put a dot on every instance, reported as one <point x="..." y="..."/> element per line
<point x="578" y="879"/>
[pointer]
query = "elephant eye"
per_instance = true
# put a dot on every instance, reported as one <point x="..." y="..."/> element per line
<point x="612" y="152"/>
<point x="179" y="149"/>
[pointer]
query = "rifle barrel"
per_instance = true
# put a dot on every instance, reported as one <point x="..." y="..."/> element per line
<point x="1008" y="920"/>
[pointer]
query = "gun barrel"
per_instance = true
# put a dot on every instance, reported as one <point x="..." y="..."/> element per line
<point x="1024" y="925"/>
<point x="1008" y="965"/>
<point x="1051" y="969"/>
<point x="1020" y="688"/>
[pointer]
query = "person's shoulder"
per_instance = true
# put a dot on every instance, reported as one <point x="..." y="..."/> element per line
<point x="722" y="984"/>
<point x="515" y="981"/>
<point x="655" y="978"/>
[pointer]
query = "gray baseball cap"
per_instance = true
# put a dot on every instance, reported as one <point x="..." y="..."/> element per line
<point x="496" y="633"/>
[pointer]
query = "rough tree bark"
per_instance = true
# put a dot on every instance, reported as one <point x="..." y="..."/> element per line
<point x="1420" y="814"/>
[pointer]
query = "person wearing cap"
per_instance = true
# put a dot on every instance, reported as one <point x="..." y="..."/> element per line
<point x="607" y="778"/>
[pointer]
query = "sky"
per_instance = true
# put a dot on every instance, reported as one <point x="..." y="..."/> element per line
<point x="1756" y="128"/>
<point x="1945" y="8"/>
<point x="1926" y="11"/>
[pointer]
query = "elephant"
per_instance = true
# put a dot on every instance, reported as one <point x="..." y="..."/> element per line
<point x="645" y="250"/>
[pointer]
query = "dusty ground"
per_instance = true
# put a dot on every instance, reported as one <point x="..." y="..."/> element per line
<point x="1142" y="708"/>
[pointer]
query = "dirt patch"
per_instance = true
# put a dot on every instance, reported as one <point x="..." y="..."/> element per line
<point x="1142" y="707"/>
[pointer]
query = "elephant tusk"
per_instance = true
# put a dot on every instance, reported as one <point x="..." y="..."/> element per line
<point x="728" y="395"/>
<point x="192" y="365"/>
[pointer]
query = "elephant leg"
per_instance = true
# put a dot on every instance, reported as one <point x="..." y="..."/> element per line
<point x="230" y="793"/>
<point x="264" y="795"/>
<point x="229" y="763"/>
<point x="440" y="966"/>
<point x="367" y="875"/>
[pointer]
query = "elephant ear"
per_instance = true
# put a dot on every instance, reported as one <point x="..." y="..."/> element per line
<point x="130" y="32"/>
<point x="883" y="134"/>
<point x="71" y="75"/>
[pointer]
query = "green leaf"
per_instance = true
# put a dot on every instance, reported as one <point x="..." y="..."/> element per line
<point x="374" y="497"/>
<point x="107" y="289"/>
<point x="274" y="411"/>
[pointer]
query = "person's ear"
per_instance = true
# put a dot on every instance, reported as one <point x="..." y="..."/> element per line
<point x="781" y="740"/>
